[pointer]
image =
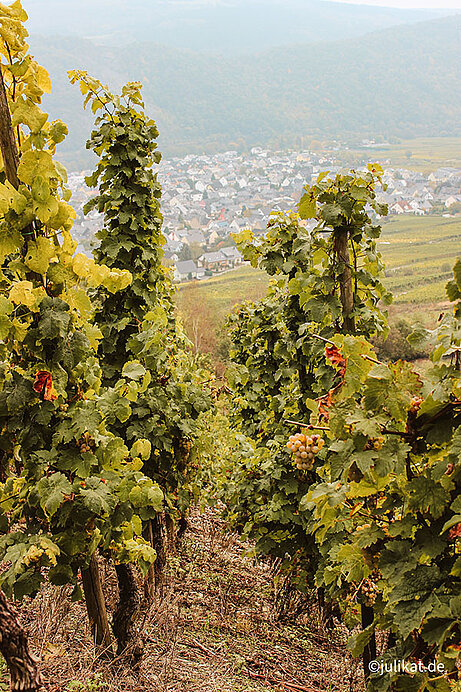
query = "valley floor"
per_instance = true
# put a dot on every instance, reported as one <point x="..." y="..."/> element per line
<point x="213" y="631"/>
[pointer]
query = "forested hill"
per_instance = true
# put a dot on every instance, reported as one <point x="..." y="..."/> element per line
<point x="218" y="25"/>
<point x="402" y="81"/>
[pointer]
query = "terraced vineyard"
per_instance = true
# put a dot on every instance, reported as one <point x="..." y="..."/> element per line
<point x="420" y="154"/>
<point x="419" y="254"/>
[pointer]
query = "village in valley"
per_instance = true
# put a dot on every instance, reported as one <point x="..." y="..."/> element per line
<point x="207" y="198"/>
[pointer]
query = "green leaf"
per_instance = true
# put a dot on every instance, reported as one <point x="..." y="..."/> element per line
<point x="438" y="685"/>
<point x="97" y="498"/>
<point x="331" y="214"/>
<point x="436" y="630"/>
<point x="409" y="614"/>
<point x="61" y="575"/>
<point x="369" y="536"/>
<point x="28" y="583"/>
<point x="352" y="563"/>
<point x="142" y="449"/>
<point x="52" y="492"/>
<point x="58" y="131"/>
<point x="457" y="272"/>
<point x="391" y="393"/>
<point x="55" y="318"/>
<point x="307" y="207"/>
<point x="456" y="519"/>
<point x="428" y="496"/>
<point x="115" y="453"/>
<point x="453" y="291"/>
<point x="147" y="495"/>
<point x="5" y="327"/>
<point x="133" y="370"/>
<point x="357" y="643"/>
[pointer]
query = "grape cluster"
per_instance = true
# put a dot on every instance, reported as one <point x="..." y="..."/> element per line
<point x="369" y="592"/>
<point x="184" y="449"/>
<point x="304" y="448"/>
<point x="185" y="444"/>
<point x="86" y="443"/>
<point x="377" y="443"/>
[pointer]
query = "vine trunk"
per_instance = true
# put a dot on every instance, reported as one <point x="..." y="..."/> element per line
<point x="22" y="666"/>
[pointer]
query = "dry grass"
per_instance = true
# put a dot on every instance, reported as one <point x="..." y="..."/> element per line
<point x="213" y="631"/>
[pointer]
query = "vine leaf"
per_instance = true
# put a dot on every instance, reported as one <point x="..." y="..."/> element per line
<point x="52" y="492"/>
<point x="43" y="384"/>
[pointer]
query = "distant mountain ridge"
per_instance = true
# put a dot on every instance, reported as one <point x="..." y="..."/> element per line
<point x="226" y="26"/>
<point x="403" y="81"/>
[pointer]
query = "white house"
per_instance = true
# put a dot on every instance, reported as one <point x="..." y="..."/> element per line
<point x="232" y="254"/>
<point x="186" y="270"/>
<point x="214" y="261"/>
<point x="452" y="199"/>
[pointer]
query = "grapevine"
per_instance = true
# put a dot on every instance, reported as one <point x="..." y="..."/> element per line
<point x="65" y="477"/>
<point x="386" y="478"/>
<point x="140" y="336"/>
<point x="278" y="366"/>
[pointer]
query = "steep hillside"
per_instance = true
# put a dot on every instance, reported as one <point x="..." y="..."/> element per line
<point x="220" y="25"/>
<point x="402" y="81"/>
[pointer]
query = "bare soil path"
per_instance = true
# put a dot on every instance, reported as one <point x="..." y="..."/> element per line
<point x="214" y="630"/>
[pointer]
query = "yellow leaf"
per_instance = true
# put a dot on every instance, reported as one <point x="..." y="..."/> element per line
<point x="81" y="265"/>
<point x="10" y="241"/>
<point x="93" y="334"/>
<point x="69" y="244"/>
<point x="98" y="274"/>
<point x="44" y="211"/>
<point x="35" y="163"/>
<point x="53" y="651"/>
<point x="78" y="300"/>
<point x="43" y="78"/>
<point x="22" y="293"/>
<point x="16" y="10"/>
<point x="39" y="254"/>
<point x="63" y="218"/>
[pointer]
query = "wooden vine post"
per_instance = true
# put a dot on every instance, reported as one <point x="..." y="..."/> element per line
<point x="8" y="145"/>
<point x="347" y="302"/>
<point x="154" y="581"/>
<point x="96" y="608"/>
<point x="345" y="279"/>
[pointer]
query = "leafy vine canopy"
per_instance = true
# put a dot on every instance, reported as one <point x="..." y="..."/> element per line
<point x="66" y="480"/>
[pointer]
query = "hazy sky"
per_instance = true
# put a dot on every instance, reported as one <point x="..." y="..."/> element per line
<point x="415" y="4"/>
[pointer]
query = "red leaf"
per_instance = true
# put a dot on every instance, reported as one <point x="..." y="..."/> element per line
<point x="44" y="385"/>
<point x="455" y="531"/>
<point x="324" y="404"/>
<point x="335" y="356"/>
